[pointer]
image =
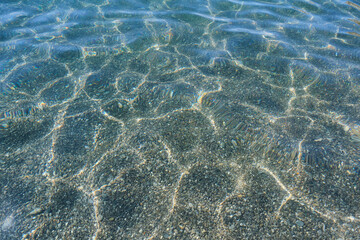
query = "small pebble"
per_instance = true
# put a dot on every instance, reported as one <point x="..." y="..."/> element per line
<point x="299" y="223"/>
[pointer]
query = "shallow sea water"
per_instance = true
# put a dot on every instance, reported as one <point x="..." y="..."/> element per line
<point x="179" y="119"/>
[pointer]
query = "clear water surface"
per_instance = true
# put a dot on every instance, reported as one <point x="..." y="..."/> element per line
<point x="179" y="119"/>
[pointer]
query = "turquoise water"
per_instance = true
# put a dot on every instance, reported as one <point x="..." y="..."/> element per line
<point x="179" y="119"/>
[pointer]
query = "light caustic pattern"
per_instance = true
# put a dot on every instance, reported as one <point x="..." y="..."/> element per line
<point x="169" y="120"/>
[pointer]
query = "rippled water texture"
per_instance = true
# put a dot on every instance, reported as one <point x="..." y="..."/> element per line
<point x="179" y="119"/>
